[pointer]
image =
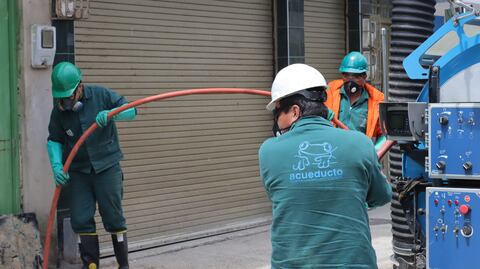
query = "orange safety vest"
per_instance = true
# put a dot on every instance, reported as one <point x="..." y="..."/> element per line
<point x="373" y="116"/>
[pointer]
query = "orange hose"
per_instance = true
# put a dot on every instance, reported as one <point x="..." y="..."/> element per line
<point x="381" y="152"/>
<point x="385" y="148"/>
<point x="91" y="129"/>
<point x="339" y="123"/>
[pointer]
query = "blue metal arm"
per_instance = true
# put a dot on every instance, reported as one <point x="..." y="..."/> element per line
<point x="412" y="63"/>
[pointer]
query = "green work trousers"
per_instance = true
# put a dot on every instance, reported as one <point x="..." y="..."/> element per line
<point x="106" y="188"/>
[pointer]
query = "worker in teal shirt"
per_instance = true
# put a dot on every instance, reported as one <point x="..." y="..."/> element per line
<point x="354" y="101"/>
<point x="318" y="179"/>
<point x="95" y="175"/>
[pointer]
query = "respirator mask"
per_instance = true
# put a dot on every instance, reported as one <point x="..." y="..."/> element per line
<point x="351" y="86"/>
<point x="275" y="129"/>
<point x="71" y="103"/>
<point x="354" y="82"/>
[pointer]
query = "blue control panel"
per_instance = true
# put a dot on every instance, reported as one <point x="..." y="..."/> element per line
<point x="453" y="141"/>
<point x="453" y="230"/>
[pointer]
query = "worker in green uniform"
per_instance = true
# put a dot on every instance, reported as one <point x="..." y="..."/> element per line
<point x="95" y="175"/>
<point x="318" y="179"/>
<point x="354" y="101"/>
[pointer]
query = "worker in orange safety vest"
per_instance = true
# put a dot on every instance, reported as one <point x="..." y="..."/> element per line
<point x="354" y="101"/>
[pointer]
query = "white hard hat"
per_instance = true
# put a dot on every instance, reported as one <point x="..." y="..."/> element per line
<point x="294" y="78"/>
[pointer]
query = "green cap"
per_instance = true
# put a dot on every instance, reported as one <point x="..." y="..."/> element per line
<point x="354" y="62"/>
<point x="65" y="79"/>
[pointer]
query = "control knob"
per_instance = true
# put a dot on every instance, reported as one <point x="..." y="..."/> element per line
<point x="443" y="120"/>
<point x="440" y="165"/>
<point x="467" y="231"/>
<point x="467" y="166"/>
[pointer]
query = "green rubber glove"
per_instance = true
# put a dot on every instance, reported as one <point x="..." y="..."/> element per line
<point x="55" y="155"/>
<point x="330" y="115"/>
<point x="102" y="116"/>
<point x="380" y="141"/>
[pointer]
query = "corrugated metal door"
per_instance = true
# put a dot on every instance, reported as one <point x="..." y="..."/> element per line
<point x="325" y="39"/>
<point x="190" y="163"/>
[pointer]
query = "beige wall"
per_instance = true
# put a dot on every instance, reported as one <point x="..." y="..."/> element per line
<point x="36" y="104"/>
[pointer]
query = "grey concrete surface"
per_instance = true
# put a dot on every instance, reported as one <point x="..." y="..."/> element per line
<point x="246" y="249"/>
<point x="382" y="235"/>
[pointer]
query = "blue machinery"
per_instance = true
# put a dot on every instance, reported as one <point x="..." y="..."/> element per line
<point x="439" y="136"/>
<point x="452" y="227"/>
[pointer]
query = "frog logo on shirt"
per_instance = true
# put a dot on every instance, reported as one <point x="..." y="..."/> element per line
<point x="320" y="155"/>
<point x="317" y="158"/>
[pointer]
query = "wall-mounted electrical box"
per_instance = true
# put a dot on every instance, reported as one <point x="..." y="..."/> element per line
<point x="43" y="45"/>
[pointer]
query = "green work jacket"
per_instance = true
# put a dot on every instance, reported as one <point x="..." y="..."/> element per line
<point x="318" y="179"/>
<point x="354" y="115"/>
<point x="101" y="150"/>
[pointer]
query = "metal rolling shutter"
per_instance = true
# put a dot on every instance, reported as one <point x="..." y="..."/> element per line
<point x="191" y="162"/>
<point x="325" y="35"/>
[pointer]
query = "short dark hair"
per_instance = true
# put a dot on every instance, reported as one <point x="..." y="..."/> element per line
<point x="308" y="106"/>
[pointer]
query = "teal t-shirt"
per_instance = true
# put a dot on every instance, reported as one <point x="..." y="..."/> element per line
<point x="318" y="179"/>
<point x="354" y="115"/>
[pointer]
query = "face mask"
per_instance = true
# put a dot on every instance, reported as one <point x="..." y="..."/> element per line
<point x="277" y="131"/>
<point x="351" y="86"/>
<point x="77" y="106"/>
<point x="71" y="104"/>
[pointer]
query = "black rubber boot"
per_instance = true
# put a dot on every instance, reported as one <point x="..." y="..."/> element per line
<point x="89" y="251"/>
<point x="120" y="246"/>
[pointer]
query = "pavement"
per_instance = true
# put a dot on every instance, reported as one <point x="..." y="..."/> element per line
<point x="244" y="249"/>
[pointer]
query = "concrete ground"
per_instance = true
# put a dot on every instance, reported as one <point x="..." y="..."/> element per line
<point x="246" y="249"/>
